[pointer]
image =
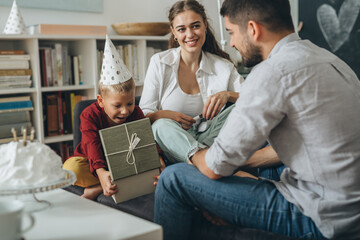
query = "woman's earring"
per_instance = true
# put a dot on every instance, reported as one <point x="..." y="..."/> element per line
<point x="175" y="39"/>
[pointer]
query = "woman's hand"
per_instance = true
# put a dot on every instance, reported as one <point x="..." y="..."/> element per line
<point x="185" y="120"/>
<point x="105" y="181"/>
<point x="214" y="104"/>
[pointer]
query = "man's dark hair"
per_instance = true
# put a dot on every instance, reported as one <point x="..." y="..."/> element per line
<point x="272" y="14"/>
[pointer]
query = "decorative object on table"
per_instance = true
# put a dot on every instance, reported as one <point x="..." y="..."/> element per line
<point x="132" y="158"/>
<point x="63" y="29"/>
<point x="144" y="29"/>
<point x="113" y="69"/>
<point x="11" y="216"/>
<point x="15" y="23"/>
<point x="27" y="166"/>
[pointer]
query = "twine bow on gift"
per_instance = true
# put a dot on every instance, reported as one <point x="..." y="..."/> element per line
<point x="132" y="145"/>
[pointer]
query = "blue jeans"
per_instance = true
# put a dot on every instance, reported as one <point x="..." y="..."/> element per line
<point x="244" y="202"/>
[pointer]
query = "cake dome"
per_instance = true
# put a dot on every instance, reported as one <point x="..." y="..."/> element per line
<point x="30" y="164"/>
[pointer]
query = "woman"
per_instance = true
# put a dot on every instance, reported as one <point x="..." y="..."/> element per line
<point x="193" y="77"/>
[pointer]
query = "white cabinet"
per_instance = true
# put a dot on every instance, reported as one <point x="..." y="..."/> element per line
<point x="87" y="47"/>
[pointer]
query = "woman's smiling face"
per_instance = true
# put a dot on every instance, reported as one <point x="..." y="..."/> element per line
<point x="190" y="30"/>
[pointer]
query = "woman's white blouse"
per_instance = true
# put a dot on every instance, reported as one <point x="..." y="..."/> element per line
<point x="215" y="74"/>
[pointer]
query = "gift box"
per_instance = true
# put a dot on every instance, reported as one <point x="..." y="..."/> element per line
<point x="132" y="158"/>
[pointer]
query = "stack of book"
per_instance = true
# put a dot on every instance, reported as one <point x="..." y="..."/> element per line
<point x="59" y="112"/>
<point x="58" y="68"/>
<point x="128" y="53"/>
<point x="14" y="113"/>
<point x="15" y="69"/>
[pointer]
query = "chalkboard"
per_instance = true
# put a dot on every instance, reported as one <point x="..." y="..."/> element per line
<point x="334" y="25"/>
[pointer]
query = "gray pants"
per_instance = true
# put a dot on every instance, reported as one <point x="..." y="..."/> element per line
<point x="178" y="144"/>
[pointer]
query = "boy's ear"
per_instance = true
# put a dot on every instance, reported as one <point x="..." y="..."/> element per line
<point x="100" y="100"/>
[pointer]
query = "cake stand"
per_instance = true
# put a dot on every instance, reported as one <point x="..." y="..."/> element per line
<point x="32" y="203"/>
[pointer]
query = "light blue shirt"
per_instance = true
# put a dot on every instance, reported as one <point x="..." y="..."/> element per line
<point x="306" y="102"/>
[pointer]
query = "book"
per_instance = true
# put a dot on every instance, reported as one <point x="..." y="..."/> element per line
<point x="44" y="81"/>
<point x="14" y="117"/>
<point x="14" y="64"/>
<point x="15" y="72"/>
<point x="15" y="99"/>
<point x="131" y="170"/>
<point x="15" y="84"/>
<point x="12" y="52"/>
<point x="48" y="67"/>
<point x="5" y="130"/>
<point x="14" y="78"/>
<point x="9" y="106"/>
<point x="61" y="29"/>
<point x="76" y="70"/>
<point x="15" y="104"/>
<point x="59" y="64"/>
<point x="5" y="57"/>
<point x="52" y="118"/>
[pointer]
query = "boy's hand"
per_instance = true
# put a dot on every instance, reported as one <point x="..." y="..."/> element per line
<point x="105" y="181"/>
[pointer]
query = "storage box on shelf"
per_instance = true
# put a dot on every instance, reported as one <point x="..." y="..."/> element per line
<point x="87" y="50"/>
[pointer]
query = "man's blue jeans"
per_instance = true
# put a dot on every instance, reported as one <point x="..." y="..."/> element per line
<point x="244" y="202"/>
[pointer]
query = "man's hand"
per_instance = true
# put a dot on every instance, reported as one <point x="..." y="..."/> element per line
<point x="105" y="181"/>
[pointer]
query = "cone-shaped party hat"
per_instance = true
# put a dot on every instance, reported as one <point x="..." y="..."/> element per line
<point x="15" y="23"/>
<point x="113" y="69"/>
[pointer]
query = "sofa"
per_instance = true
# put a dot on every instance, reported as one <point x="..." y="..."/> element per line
<point x="143" y="206"/>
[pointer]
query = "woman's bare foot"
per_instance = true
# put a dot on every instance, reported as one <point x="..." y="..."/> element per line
<point x="92" y="192"/>
<point x="245" y="174"/>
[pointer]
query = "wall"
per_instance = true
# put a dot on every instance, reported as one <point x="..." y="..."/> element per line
<point x="122" y="11"/>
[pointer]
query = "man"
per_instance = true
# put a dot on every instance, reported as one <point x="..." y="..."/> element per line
<point x="305" y="102"/>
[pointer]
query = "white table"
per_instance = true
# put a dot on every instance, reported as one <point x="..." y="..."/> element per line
<point x="73" y="217"/>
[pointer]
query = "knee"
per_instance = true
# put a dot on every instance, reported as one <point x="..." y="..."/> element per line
<point x="173" y="175"/>
<point x="161" y="126"/>
<point x="72" y="164"/>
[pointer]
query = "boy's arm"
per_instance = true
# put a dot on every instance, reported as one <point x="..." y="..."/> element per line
<point x="90" y="140"/>
<point x="105" y="181"/>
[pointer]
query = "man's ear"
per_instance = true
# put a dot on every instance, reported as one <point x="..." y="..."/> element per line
<point x="254" y="30"/>
<point x="100" y="100"/>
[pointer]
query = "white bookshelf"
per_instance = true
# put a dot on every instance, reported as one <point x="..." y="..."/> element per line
<point x="87" y="47"/>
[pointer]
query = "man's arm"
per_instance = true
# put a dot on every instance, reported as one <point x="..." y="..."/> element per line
<point x="264" y="157"/>
<point x="198" y="160"/>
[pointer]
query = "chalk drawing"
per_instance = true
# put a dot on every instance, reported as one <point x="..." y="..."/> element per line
<point x="337" y="29"/>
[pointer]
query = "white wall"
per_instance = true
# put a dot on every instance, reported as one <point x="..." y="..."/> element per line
<point x="122" y="11"/>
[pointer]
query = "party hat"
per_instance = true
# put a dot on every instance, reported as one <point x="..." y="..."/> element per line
<point x="113" y="70"/>
<point x="15" y="23"/>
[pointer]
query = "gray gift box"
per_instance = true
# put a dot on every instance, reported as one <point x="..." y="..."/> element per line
<point x="132" y="158"/>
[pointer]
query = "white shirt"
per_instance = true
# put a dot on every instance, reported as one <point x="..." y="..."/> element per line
<point x="179" y="101"/>
<point x="215" y="74"/>
<point x="306" y="102"/>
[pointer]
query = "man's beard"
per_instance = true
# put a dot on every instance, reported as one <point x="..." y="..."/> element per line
<point x="252" y="54"/>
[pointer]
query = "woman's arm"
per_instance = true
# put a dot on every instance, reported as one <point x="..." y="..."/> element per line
<point x="185" y="120"/>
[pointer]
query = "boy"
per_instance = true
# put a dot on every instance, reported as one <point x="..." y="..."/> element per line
<point x="115" y="105"/>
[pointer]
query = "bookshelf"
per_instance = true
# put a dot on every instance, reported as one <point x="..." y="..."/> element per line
<point x="87" y="47"/>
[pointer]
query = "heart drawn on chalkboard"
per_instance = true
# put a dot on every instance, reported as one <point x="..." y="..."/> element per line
<point x="337" y="29"/>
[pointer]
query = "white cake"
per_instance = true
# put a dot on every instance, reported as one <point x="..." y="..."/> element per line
<point x="34" y="164"/>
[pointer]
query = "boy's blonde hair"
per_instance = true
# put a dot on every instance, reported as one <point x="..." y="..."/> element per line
<point x="124" y="87"/>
